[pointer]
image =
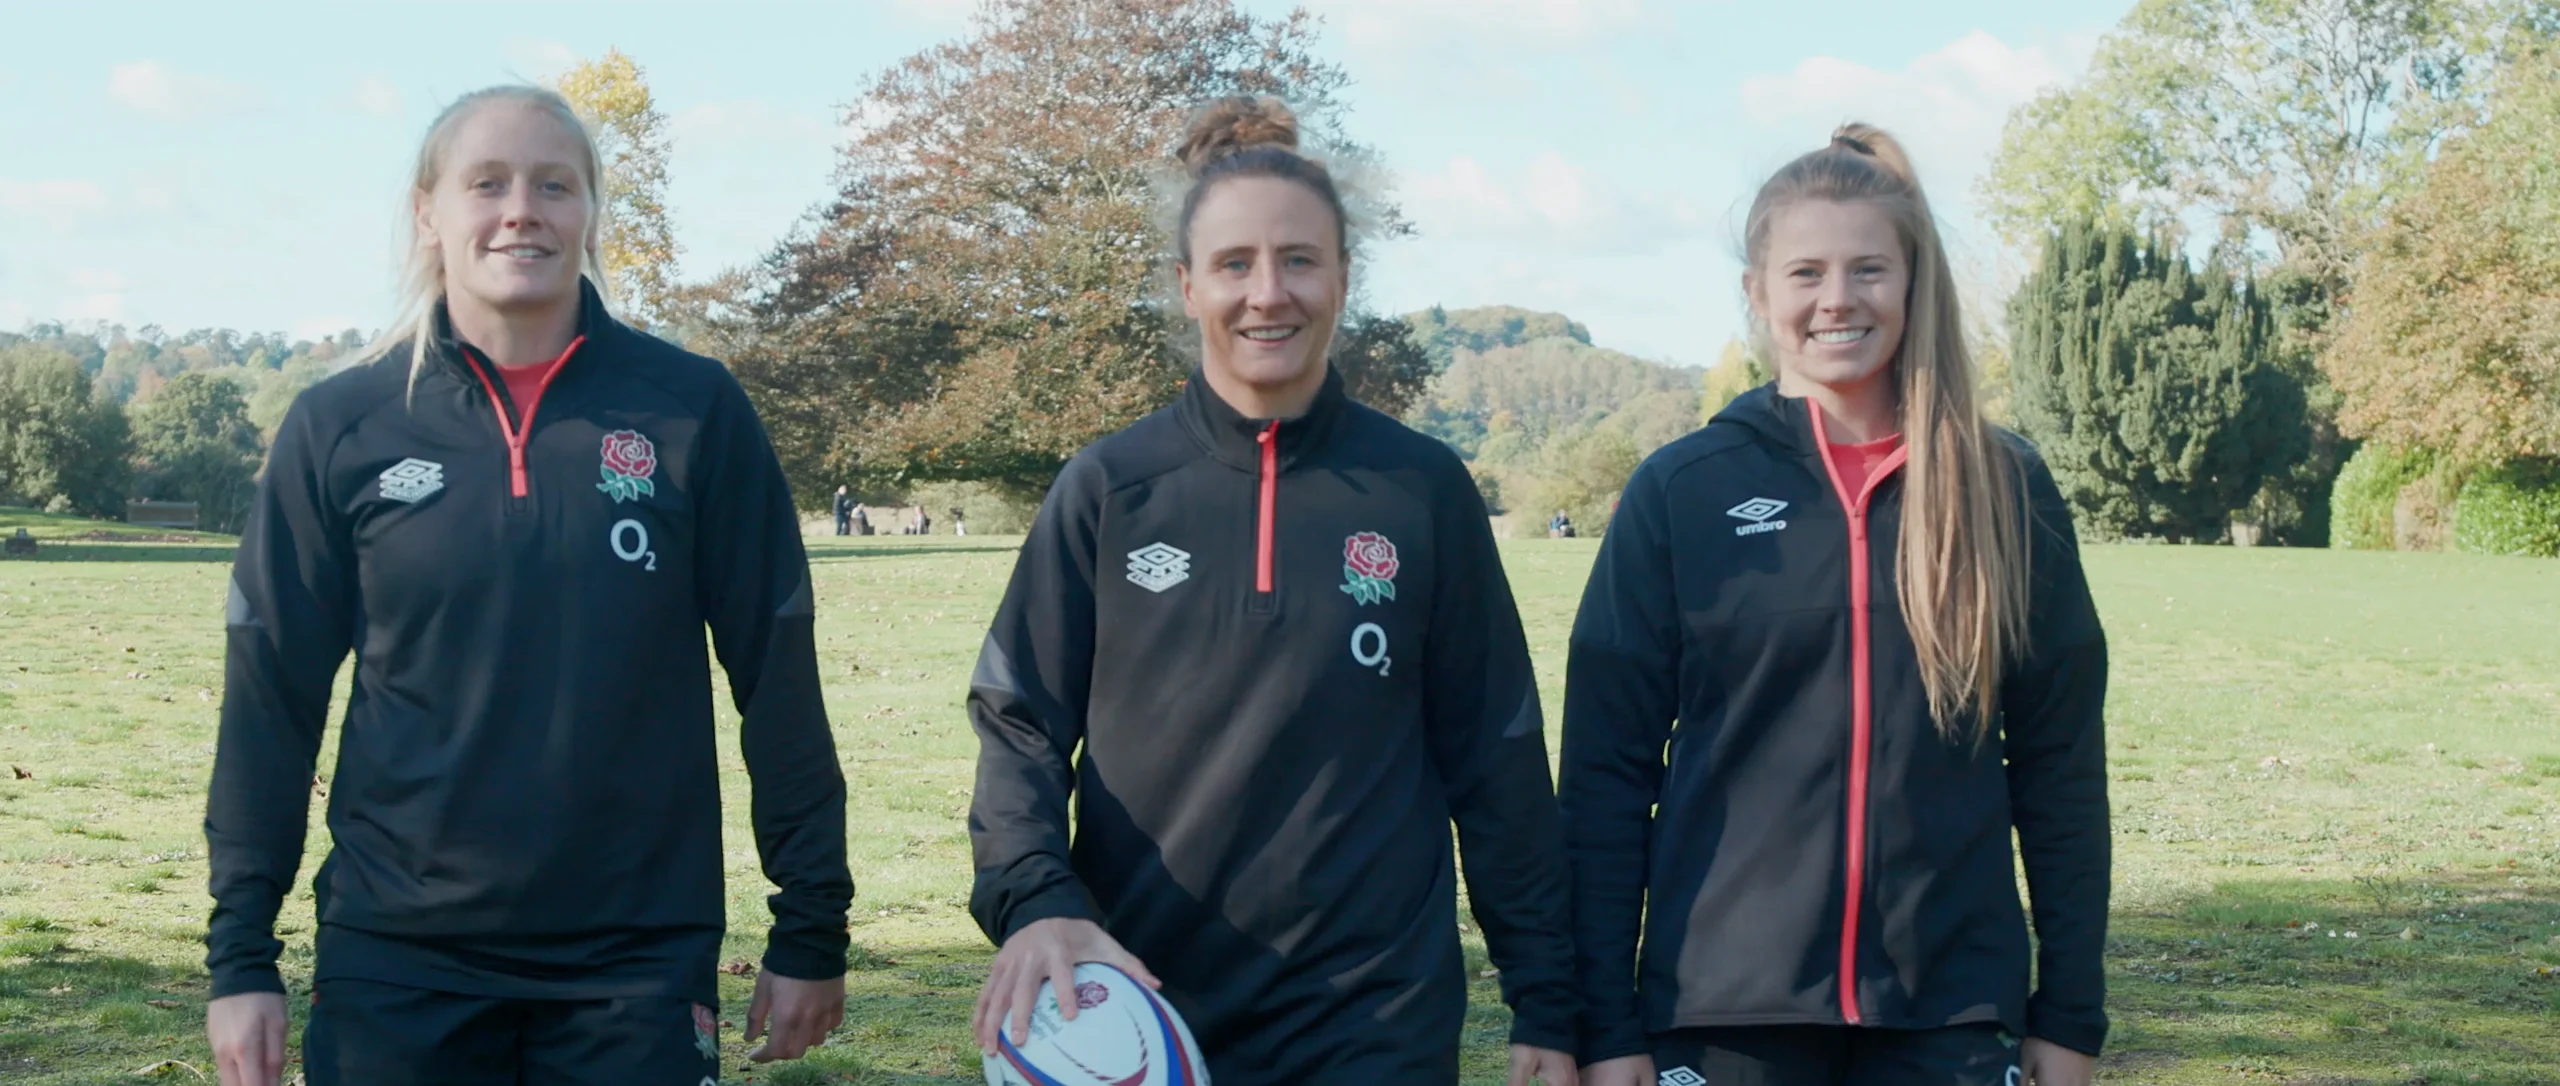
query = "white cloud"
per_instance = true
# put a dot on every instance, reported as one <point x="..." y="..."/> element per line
<point x="155" y="195"/>
<point x="1947" y="106"/>
<point x="92" y="279"/>
<point x="158" y="90"/>
<point x="106" y="307"/>
<point x="539" y="60"/>
<point x="751" y="123"/>
<point x="1379" y="24"/>
<point x="376" y="95"/>
<point x="1554" y="200"/>
<point x="58" y="204"/>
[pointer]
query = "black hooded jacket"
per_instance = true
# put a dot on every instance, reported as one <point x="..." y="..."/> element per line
<point x="1755" y="794"/>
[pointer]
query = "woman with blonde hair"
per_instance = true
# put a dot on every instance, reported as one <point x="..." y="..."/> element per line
<point x="1837" y="647"/>
<point x="518" y="515"/>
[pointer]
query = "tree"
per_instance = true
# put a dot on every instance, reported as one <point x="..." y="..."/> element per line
<point x="1381" y="363"/>
<point x="1582" y="471"/>
<point x="988" y="293"/>
<point x="2148" y="385"/>
<point x="1737" y="370"/>
<point x="2299" y="118"/>
<point x="2452" y="343"/>
<point x="1444" y="332"/>
<point x="194" y="442"/>
<point x="612" y="95"/>
<point x="61" y="449"/>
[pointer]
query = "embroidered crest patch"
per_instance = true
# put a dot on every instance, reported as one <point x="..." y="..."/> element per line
<point x="629" y="461"/>
<point x="1369" y="567"/>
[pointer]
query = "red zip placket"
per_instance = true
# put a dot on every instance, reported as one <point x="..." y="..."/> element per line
<point x="1861" y="697"/>
<point x="516" y="436"/>
<point x="1270" y="439"/>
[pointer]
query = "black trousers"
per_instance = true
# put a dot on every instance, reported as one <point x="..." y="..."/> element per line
<point x="367" y="1034"/>
<point x="1980" y="1055"/>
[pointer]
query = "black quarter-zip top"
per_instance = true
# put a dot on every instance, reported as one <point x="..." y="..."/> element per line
<point x="526" y="799"/>
<point x="1269" y="663"/>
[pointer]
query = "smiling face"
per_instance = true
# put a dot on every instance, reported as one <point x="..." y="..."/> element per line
<point x="1832" y="284"/>
<point x="1266" y="279"/>
<point x="510" y="210"/>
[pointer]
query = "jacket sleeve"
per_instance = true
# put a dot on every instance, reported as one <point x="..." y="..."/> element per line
<point x="751" y="581"/>
<point x="2054" y="732"/>
<point x="288" y="627"/>
<point x="1489" y="744"/>
<point x="1027" y="703"/>
<point x="1621" y="690"/>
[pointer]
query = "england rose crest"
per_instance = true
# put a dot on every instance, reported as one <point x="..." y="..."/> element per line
<point x="629" y="461"/>
<point x="1369" y="567"/>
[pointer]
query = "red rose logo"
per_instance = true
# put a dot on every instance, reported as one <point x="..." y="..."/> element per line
<point x="630" y="454"/>
<point x="1370" y="555"/>
<point x="1090" y="995"/>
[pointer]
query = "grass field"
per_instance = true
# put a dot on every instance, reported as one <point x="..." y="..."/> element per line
<point x="2336" y="782"/>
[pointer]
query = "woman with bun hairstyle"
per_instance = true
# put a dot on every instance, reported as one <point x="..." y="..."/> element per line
<point x="519" y="516"/>
<point x="1262" y="642"/>
<point x="1836" y="649"/>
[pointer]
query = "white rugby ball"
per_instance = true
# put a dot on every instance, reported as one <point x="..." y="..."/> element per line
<point x="1124" y="1034"/>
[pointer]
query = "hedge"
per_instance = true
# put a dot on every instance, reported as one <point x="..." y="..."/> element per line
<point x="2512" y="509"/>
<point x="2367" y="490"/>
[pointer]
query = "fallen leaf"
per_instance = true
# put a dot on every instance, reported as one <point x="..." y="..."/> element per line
<point x="163" y="1004"/>
<point x="1489" y="974"/>
<point x="2408" y="935"/>
<point x="21" y="774"/>
<point x="154" y="1070"/>
<point x="739" y="968"/>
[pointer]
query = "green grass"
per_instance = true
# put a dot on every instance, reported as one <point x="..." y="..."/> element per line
<point x="2303" y="744"/>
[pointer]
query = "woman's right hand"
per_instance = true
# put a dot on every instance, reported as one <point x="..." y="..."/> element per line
<point x="247" y="1031"/>
<point x="1623" y="1071"/>
<point x="1044" y="951"/>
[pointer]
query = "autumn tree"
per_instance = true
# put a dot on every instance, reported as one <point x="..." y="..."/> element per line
<point x="2452" y="343"/>
<point x="988" y="291"/>
<point x="62" y="448"/>
<point x="612" y="95"/>
<point x="193" y="441"/>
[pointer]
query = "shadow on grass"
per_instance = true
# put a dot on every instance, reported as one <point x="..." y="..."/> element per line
<point x="130" y="552"/>
<point x="2422" y="978"/>
<point x="823" y="554"/>
<point x="67" y="1016"/>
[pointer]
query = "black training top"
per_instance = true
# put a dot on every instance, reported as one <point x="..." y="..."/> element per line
<point x="1289" y="655"/>
<point x="1740" y="661"/>
<point x="526" y="801"/>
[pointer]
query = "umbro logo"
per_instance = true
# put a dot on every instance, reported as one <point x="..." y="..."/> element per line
<point x="1680" y="1076"/>
<point x="412" y="479"/>
<point x="1156" y="567"/>
<point x="1758" y="511"/>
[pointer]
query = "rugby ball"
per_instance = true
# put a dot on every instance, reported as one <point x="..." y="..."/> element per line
<point x="1124" y="1034"/>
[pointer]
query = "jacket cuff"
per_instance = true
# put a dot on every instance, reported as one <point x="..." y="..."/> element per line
<point x="2081" y="1032"/>
<point x="1541" y="1031"/>
<point x="248" y="978"/>
<point x="1602" y="1045"/>
<point x="798" y="960"/>
<point x="1066" y="899"/>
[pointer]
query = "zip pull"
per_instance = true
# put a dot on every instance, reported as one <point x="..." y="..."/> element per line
<point x="1270" y="439"/>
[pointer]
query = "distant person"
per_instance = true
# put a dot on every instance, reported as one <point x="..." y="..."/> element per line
<point x="1560" y="526"/>
<point x="1260" y="650"/>
<point x="924" y="522"/>
<point x="958" y="526"/>
<point x="1836" y="649"/>
<point x="861" y="519"/>
<point x="524" y="880"/>
<point x="844" y="512"/>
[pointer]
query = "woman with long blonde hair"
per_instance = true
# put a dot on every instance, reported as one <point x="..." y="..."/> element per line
<point x="518" y="515"/>
<point x="1836" y="649"/>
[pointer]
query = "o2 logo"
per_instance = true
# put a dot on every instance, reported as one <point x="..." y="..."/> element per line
<point x="1369" y="647"/>
<point x="630" y="541"/>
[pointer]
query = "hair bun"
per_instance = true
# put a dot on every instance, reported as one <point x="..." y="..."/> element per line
<point x="1229" y="125"/>
<point x="1877" y="144"/>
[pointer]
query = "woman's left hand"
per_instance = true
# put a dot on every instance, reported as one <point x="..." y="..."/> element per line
<point x="800" y="1012"/>
<point x="1542" y="1065"/>
<point x="2050" y="1064"/>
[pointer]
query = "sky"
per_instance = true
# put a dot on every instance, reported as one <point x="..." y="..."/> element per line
<point x="243" y="165"/>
